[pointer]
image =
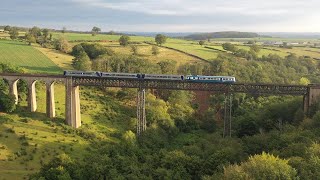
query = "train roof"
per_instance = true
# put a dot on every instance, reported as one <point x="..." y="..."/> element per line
<point x="213" y="76"/>
<point x="163" y="75"/>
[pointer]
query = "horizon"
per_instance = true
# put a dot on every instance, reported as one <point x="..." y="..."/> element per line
<point x="182" y="32"/>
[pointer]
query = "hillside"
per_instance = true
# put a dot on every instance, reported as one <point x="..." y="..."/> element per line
<point x="180" y="142"/>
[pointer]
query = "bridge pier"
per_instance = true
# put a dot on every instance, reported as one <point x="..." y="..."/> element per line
<point x="50" y="105"/>
<point x="313" y="96"/>
<point x="13" y="88"/>
<point x="72" y="104"/>
<point x="227" y="115"/>
<point x="141" y="111"/>
<point x="32" y="100"/>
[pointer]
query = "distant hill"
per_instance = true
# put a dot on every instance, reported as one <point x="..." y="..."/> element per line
<point x="224" y="34"/>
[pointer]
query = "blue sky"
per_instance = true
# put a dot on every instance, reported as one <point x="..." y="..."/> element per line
<point x="165" y="15"/>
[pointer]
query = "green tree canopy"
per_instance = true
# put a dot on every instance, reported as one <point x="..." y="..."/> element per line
<point x="82" y="62"/>
<point x="7" y="28"/>
<point x="62" y="44"/>
<point x="160" y="39"/>
<point x="14" y="33"/>
<point x="201" y="43"/>
<point x="229" y="47"/>
<point x="124" y="40"/>
<point x="95" y="30"/>
<point x="264" y="166"/>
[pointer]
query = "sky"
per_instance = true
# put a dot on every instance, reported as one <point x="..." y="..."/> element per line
<point x="165" y="15"/>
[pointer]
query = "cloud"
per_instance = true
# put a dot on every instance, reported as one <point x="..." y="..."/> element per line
<point x="165" y="15"/>
<point x="204" y="7"/>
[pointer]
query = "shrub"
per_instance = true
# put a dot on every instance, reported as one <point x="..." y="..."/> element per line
<point x="264" y="166"/>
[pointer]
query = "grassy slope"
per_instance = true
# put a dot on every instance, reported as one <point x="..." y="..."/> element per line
<point x="23" y="55"/>
<point x="101" y="115"/>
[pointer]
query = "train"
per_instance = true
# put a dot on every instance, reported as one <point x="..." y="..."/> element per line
<point x="194" y="78"/>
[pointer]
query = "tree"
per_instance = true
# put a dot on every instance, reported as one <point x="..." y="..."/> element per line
<point x="61" y="167"/>
<point x="7" y="28"/>
<point x="201" y="43"/>
<point x="95" y="30"/>
<point x="304" y="81"/>
<point x="30" y="38"/>
<point x="168" y="66"/>
<point x="76" y="50"/>
<point x="7" y="102"/>
<point x="155" y="50"/>
<point x="14" y="33"/>
<point x="255" y="48"/>
<point x="160" y="39"/>
<point x="95" y="50"/>
<point x="62" y="44"/>
<point x="134" y="49"/>
<point x="229" y="47"/>
<point x="45" y="33"/>
<point x="124" y="40"/>
<point x="82" y="62"/>
<point x="264" y="166"/>
<point x="35" y="31"/>
<point x="64" y="29"/>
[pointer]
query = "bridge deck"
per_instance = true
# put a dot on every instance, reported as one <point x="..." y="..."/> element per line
<point x="249" y="88"/>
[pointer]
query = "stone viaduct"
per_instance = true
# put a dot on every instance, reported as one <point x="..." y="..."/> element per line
<point x="310" y="93"/>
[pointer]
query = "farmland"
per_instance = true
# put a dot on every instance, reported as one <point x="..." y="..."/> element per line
<point x="22" y="55"/>
<point x="86" y="37"/>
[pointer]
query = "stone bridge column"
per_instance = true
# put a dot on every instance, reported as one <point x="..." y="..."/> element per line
<point x="13" y="88"/>
<point x="32" y="100"/>
<point x="312" y="97"/>
<point x="72" y="104"/>
<point x="50" y="105"/>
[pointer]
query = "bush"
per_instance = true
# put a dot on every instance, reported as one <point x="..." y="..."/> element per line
<point x="264" y="166"/>
<point x="7" y="102"/>
<point x="62" y="44"/>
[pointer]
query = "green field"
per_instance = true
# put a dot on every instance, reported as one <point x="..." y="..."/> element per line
<point x="265" y="52"/>
<point x="301" y="51"/>
<point x="79" y="37"/>
<point x="20" y="54"/>
<point x="144" y="51"/>
<point x="192" y="47"/>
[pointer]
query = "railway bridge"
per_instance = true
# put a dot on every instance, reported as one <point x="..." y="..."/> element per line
<point x="310" y="93"/>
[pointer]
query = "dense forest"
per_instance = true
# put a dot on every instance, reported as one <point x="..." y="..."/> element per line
<point x="272" y="138"/>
